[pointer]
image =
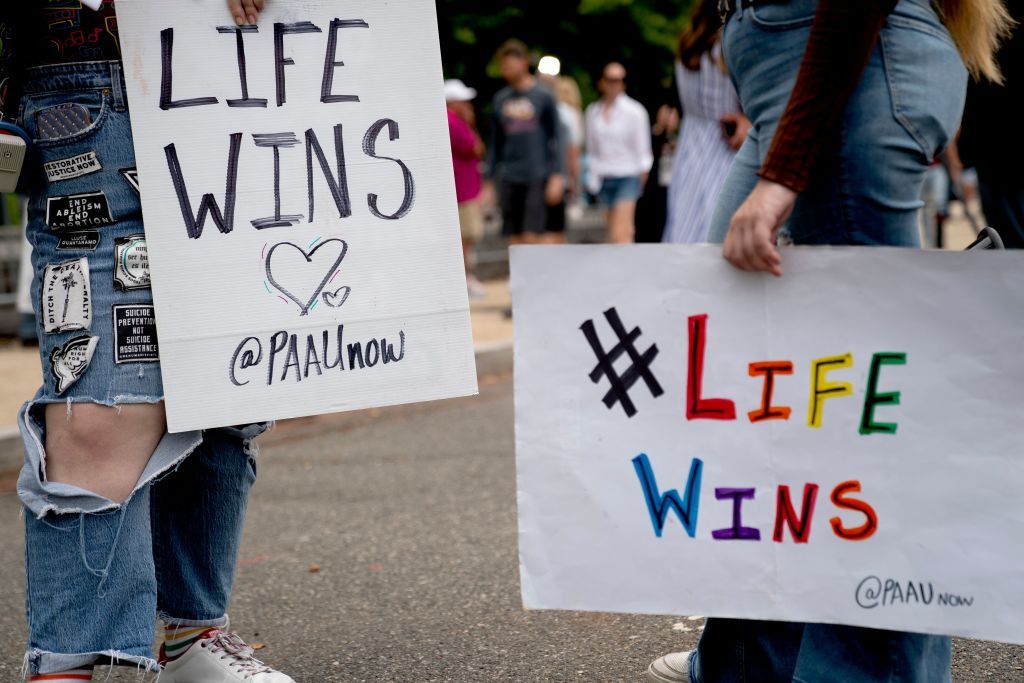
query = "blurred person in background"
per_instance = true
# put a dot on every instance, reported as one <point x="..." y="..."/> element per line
<point x="570" y="116"/>
<point x="990" y="140"/>
<point x="524" y="158"/>
<point x="619" y="155"/>
<point x="652" y="208"/>
<point x="712" y="130"/>
<point x="570" y="110"/>
<point x="467" y="151"/>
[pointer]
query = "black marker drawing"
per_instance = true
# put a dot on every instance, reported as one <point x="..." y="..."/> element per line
<point x="280" y="61"/>
<point x="243" y="74"/>
<point x="332" y="245"/>
<point x="194" y="224"/>
<point x="339" y="187"/>
<point x="276" y="141"/>
<point x="337" y="299"/>
<point x="329" y="64"/>
<point x="252" y="354"/>
<point x="166" y="99"/>
<point x="370" y="148"/>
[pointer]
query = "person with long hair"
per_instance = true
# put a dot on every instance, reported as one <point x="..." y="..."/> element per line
<point x="711" y="131"/>
<point x="850" y="102"/>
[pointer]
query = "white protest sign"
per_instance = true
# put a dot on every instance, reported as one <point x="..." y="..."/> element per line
<point x="839" y="445"/>
<point x="299" y="202"/>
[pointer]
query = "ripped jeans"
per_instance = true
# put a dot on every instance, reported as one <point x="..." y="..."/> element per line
<point x="97" y="580"/>
<point x="99" y="573"/>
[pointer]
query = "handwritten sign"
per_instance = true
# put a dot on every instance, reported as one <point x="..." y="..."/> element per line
<point x="841" y="445"/>
<point x="301" y="234"/>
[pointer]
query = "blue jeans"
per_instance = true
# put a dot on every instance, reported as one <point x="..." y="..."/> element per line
<point x="618" y="190"/>
<point x="867" y="191"/>
<point x="96" y="582"/>
<point x="99" y="572"/>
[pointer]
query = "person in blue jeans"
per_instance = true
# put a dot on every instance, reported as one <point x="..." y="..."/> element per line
<point x="850" y="102"/>
<point x="124" y="522"/>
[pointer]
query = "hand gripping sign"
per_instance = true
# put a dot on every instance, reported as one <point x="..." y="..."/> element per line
<point x="301" y="229"/>
<point x="839" y="445"/>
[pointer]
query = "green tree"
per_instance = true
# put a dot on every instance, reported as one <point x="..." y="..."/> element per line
<point x="583" y="34"/>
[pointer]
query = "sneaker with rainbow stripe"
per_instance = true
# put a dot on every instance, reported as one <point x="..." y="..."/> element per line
<point x="217" y="656"/>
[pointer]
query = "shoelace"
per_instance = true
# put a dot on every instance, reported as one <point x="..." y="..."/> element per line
<point x="234" y="648"/>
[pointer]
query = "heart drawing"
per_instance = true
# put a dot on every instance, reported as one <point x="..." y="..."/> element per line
<point x="294" y="272"/>
<point x="337" y="298"/>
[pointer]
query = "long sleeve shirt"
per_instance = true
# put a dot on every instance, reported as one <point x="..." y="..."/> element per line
<point x="465" y="159"/>
<point x="525" y="136"/>
<point x="618" y="139"/>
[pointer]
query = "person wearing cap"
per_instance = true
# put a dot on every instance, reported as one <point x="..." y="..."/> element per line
<point x="467" y="151"/>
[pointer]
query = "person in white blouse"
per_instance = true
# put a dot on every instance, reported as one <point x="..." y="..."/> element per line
<point x="619" y="156"/>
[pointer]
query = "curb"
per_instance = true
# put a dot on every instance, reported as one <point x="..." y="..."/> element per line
<point x="492" y="358"/>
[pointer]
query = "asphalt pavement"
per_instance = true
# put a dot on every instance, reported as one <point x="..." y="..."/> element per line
<point x="381" y="546"/>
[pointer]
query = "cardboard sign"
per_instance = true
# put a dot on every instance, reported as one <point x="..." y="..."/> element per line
<point x="299" y="202"/>
<point x="839" y="445"/>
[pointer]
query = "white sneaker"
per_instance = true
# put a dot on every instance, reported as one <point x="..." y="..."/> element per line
<point x="219" y="657"/>
<point x="672" y="668"/>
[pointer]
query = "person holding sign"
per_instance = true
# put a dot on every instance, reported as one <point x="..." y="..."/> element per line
<point x="849" y="102"/>
<point x="124" y="522"/>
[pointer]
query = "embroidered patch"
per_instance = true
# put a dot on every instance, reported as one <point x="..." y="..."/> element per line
<point x="72" y="167"/>
<point x="66" y="298"/>
<point x="131" y="176"/>
<point x="69" y="362"/>
<point x="78" y="211"/>
<point x="135" y="334"/>
<point x="131" y="270"/>
<point x="79" y="240"/>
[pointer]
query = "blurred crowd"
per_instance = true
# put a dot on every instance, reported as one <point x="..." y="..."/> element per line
<point x="655" y="169"/>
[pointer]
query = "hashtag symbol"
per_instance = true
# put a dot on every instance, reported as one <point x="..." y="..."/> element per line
<point x="640" y="366"/>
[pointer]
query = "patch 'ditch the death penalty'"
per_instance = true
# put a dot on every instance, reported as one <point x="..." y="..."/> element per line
<point x="66" y="302"/>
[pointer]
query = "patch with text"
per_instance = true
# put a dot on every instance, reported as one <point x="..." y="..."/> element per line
<point x="79" y="240"/>
<point x="88" y="210"/>
<point x="131" y="267"/>
<point x="69" y="362"/>
<point x="135" y="334"/>
<point x="66" y="301"/>
<point x="72" y="167"/>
